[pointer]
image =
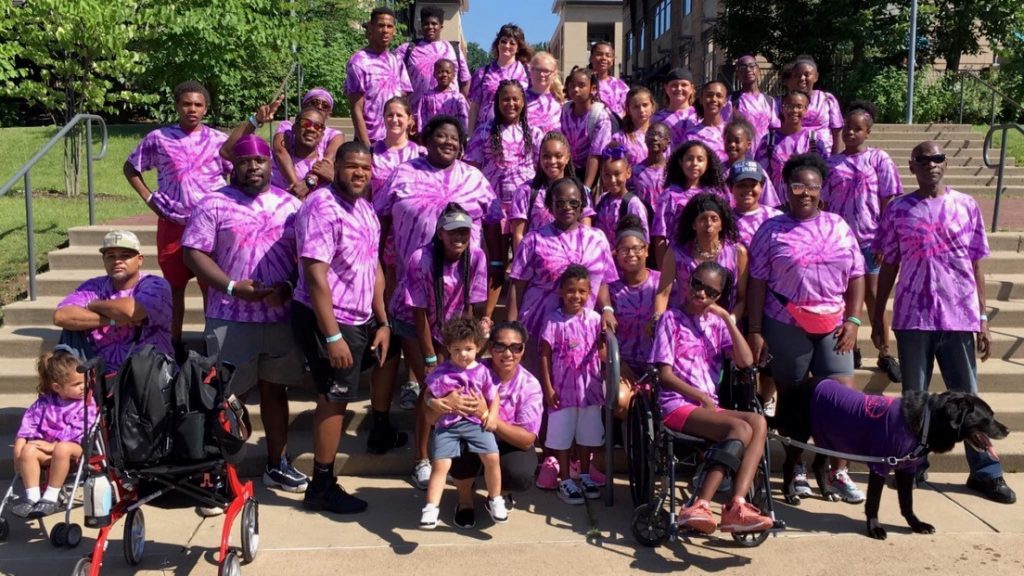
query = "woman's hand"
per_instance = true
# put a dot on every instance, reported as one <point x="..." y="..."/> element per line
<point x="608" y="321"/>
<point x="756" y="342"/>
<point x="708" y="402"/>
<point x="721" y="313"/>
<point x="846" y="337"/>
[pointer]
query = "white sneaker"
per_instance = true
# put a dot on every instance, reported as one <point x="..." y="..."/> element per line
<point x="408" y="395"/>
<point x="496" y="508"/>
<point x="428" y="519"/>
<point x="841" y="483"/>
<point x="421" y="475"/>
<point x="801" y="487"/>
<point x="209" y="511"/>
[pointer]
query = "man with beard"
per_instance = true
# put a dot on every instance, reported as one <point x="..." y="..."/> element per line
<point x="241" y="243"/>
<point x="122" y="310"/>
<point x="934" y="238"/>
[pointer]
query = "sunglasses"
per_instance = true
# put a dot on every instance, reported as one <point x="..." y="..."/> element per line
<point x="307" y="124"/>
<point x="573" y="204"/>
<point x="318" y="103"/>
<point x="697" y="286"/>
<point x="930" y="158"/>
<point x="500" y="348"/>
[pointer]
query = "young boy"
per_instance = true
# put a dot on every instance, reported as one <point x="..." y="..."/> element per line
<point x="419" y="57"/>
<point x="373" y="76"/>
<point x="443" y="99"/>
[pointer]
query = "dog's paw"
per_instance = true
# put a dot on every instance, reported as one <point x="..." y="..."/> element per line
<point x="876" y="531"/>
<point x="919" y="527"/>
<point x="831" y="496"/>
<point x="792" y="499"/>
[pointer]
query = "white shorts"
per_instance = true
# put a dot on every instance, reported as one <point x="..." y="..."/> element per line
<point x="584" y="425"/>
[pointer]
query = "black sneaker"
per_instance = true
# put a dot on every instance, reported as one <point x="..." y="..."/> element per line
<point x="333" y="499"/>
<point x="21" y="506"/>
<point x="994" y="489"/>
<point x="44" y="508"/>
<point x="856" y="358"/>
<point x="891" y="367"/>
<point x="465" y="518"/>
<point x="384" y="438"/>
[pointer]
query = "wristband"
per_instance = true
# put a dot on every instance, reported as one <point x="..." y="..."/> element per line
<point x="853" y="320"/>
<point x="984" y="317"/>
<point x="496" y="263"/>
<point x="332" y="339"/>
<point x="230" y="288"/>
<point x="290" y="285"/>
<point x="430" y="360"/>
<point x="255" y="123"/>
<point x="112" y="322"/>
<point x="608" y="309"/>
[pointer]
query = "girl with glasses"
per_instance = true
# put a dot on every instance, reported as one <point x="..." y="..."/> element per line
<point x="545" y="95"/>
<point x="632" y="296"/>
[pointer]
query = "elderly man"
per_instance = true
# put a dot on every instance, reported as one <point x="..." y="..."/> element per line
<point x="934" y="239"/>
<point x="123" y="309"/>
<point x="241" y="243"/>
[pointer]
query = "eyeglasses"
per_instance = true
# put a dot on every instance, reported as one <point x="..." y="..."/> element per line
<point x="307" y="124"/>
<point x="930" y="158"/>
<point x="800" y="189"/>
<point x="747" y="66"/>
<point x="542" y="71"/>
<point x="501" y="348"/>
<point x="794" y="107"/>
<point x="635" y="250"/>
<point x="572" y="204"/>
<point x="697" y="286"/>
<point x="318" y="103"/>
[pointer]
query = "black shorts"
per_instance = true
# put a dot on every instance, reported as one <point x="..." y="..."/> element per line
<point x="339" y="385"/>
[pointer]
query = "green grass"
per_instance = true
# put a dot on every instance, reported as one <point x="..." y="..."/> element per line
<point x="1016" y="143"/>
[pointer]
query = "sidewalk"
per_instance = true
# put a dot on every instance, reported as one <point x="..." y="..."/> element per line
<point x="548" y="537"/>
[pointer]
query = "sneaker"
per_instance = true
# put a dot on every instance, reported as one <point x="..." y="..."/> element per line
<point x="856" y="358"/>
<point x="285" y="477"/>
<point x="421" y="474"/>
<point x="891" y="367"/>
<point x="428" y="518"/>
<point x="597" y="477"/>
<point x="42" y="509"/>
<point x="744" y="517"/>
<point x="769" y="407"/>
<point x="21" y="506"/>
<point x="801" y="487"/>
<point x="465" y="518"/>
<point x="384" y="438"/>
<point x="408" y="395"/>
<point x="209" y="511"/>
<point x="697" y="517"/>
<point x="547" y="478"/>
<point x="570" y="493"/>
<point x="841" y="484"/>
<point x="590" y="489"/>
<point x="994" y="489"/>
<point x="496" y="508"/>
<point x="334" y="499"/>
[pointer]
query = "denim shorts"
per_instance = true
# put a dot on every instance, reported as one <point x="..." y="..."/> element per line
<point x="870" y="267"/>
<point x="446" y="442"/>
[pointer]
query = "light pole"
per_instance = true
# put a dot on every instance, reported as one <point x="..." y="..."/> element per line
<point x="911" y="61"/>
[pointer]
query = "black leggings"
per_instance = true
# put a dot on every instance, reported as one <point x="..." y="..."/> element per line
<point x="517" y="466"/>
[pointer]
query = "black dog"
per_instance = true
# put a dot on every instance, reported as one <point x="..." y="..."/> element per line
<point x="849" y="421"/>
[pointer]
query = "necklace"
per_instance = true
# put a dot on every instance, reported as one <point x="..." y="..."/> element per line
<point x="709" y="254"/>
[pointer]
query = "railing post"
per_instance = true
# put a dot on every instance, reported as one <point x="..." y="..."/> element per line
<point x="992" y="119"/>
<point x="999" y="177"/>
<point x="30" y="232"/>
<point x="88" y="171"/>
<point x="963" y="80"/>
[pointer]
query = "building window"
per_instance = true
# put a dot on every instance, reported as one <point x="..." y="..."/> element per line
<point x="643" y="36"/>
<point x="662" y="18"/>
<point x="629" y="44"/>
<point x="687" y="7"/>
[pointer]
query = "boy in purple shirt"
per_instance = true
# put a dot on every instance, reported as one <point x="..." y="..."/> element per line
<point x="241" y="243"/>
<point x="420" y="58"/>
<point x="934" y="239"/>
<point x="373" y="76"/>
<point x="757" y="107"/>
<point x="442" y="99"/>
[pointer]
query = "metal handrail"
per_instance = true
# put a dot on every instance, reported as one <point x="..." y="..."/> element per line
<point x="1004" y="129"/>
<point x="26" y="172"/>
<point x="992" y="89"/>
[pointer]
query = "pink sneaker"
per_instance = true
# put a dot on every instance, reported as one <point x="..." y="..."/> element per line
<point x="547" y="479"/>
<point x="697" y="517"/>
<point x="744" y="517"/>
<point x="597" y="476"/>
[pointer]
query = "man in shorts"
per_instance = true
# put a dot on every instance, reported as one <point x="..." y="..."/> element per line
<point x="240" y="242"/>
<point x="338" y="313"/>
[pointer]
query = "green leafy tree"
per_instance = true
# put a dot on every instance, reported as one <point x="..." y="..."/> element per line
<point x="959" y="26"/>
<point x="476" y="56"/>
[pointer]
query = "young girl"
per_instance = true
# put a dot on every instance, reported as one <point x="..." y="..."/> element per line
<point x="679" y="93"/>
<point x="692" y="169"/>
<point x="633" y="133"/>
<point x="396" y="147"/>
<point x="632" y="296"/>
<point x="790" y="139"/>
<point x="528" y="211"/>
<point x="690" y="344"/>
<point x="749" y="101"/>
<point x="443" y="98"/>
<point x="709" y="130"/>
<point x="746" y="182"/>
<point x="610" y="89"/>
<point x="330" y="140"/>
<point x="510" y="55"/>
<point x="587" y="127"/>
<point x="462" y="373"/>
<point x="861" y="182"/>
<point x="649" y="176"/>
<point x="545" y="96"/>
<point x="614" y="174"/>
<point x="739" y="135"/>
<point x="570" y="358"/>
<point x="51" y="432"/>
<point x="823" y="117"/>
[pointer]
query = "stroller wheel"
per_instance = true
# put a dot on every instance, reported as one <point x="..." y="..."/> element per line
<point x="5" y="529"/>
<point x="134" y="537"/>
<point x="74" y="536"/>
<point x="750" y="539"/>
<point x="650" y="527"/>
<point x="83" y="567"/>
<point x="230" y="566"/>
<point x="59" y="535"/>
<point x="250" y="530"/>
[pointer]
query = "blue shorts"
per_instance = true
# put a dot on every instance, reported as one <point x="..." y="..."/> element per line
<point x="446" y="442"/>
<point x="870" y="267"/>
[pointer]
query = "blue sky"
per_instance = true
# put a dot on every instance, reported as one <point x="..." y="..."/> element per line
<point x="484" y="18"/>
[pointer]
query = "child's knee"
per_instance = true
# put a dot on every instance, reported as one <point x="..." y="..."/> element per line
<point x="66" y="450"/>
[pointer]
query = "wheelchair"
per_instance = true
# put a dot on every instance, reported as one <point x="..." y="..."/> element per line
<point x="657" y="456"/>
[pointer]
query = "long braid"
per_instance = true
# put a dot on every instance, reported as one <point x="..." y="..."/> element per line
<point x="437" y="271"/>
<point x="465" y="261"/>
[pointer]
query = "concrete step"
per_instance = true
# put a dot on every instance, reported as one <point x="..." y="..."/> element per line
<point x="61" y="282"/>
<point x="1003" y="262"/>
<point x="877" y="138"/>
<point x="950" y="143"/>
<point x="93" y="235"/>
<point x="1004" y="287"/>
<point x="31" y="341"/>
<point x="40" y="312"/>
<point x="88" y="258"/>
<point x="930" y="128"/>
<point x="958" y="182"/>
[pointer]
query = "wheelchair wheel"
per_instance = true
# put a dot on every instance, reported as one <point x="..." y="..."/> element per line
<point x="73" y="537"/>
<point x="250" y="530"/>
<point x="5" y="529"/>
<point x="83" y="567"/>
<point x="134" y="537"/>
<point x="640" y="448"/>
<point x="59" y="535"/>
<point x="650" y="526"/>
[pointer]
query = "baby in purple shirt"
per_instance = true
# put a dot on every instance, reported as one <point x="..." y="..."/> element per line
<point x="462" y="373"/>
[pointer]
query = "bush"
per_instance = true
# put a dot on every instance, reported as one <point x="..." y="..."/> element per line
<point x="937" y="96"/>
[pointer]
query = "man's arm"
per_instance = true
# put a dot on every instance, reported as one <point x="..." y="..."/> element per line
<point x="356" y="102"/>
<point x="984" y="337"/>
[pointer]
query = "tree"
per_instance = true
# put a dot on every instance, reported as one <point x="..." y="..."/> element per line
<point x="477" y="56"/>
<point x="963" y="24"/>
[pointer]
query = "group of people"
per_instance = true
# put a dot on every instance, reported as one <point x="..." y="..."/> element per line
<point x="722" y="226"/>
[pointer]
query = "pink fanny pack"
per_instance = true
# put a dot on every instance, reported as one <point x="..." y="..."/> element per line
<point x="811" y="321"/>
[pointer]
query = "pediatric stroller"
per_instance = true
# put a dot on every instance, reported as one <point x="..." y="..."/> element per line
<point x="168" y="429"/>
<point x="656" y="455"/>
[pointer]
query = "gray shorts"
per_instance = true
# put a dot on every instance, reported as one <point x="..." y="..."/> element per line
<point x="795" y="353"/>
<point x="446" y="443"/>
<point x="259" y="351"/>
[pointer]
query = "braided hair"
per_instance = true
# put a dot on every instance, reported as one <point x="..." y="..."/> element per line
<point x="496" y="125"/>
<point x="437" y="266"/>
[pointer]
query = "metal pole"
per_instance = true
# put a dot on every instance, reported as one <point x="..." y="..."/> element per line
<point x="992" y="110"/>
<point x="911" y="59"/>
<point x="30" y="231"/>
<point x="999" y="177"/>
<point x="963" y="79"/>
<point x="88" y="171"/>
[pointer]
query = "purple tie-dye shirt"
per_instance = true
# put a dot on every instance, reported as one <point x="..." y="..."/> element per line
<point x="484" y="86"/>
<point x="935" y="242"/>
<point x="683" y="119"/>
<point x="521" y="399"/>
<point x="612" y="92"/>
<point x="250" y="238"/>
<point x="711" y="136"/>
<point x="748" y="223"/>
<point x="810" y="262"/>
<point x="575" y="361"/>
<point x="686" y="263"/>
<point x="856" y="187"/>
<point x="301" y="166"/>
<point x="386" y="160"/>
<point x="823" y="115"/>
<point x="188" y="165"/>
<point x="346" y="236"/>
<point x="635" y="144"/>
<point x="648" y="182"/>
<point x="416" y="288"/>
<point x="379" y="77"/>
<point x="758" y="109"/>
<point x="633" y="308"/>
<point x="514" y="166"/>
<point x="115" y="343"/>
<point x="543" y="111"/>
<point x="419" y="65"/>
<point x="416" y="195"/>
<point x="584" y="142"/>
<point x="539" y="216"/>
<point x="542" y="257"/>
<point x="669" y="208"/>
<point x="53" y="419"/>
<point x="608" y="215"/>
<point x="474" y="379"/>
<point x="773" y="157"/>
<point x="695" y="347"/>
<point x="447" y="102"/>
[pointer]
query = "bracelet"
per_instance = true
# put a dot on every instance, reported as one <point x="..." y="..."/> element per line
<point x="496" y="263"/>
<point x="430" y="360"/>
<point x="290" y="285"/>
<point x="255" y="123"/>
<point x="608" y="309"/>
<point x="332" y="339"/>
<point x="853" y="320"/>
<point x="230" y="288"/>
<point x="984" y="317"/>
<point x="112" y="322"/>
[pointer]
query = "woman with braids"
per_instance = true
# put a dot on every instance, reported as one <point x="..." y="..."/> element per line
<point x="444" y="279"/>
<point x="511" y="55"/>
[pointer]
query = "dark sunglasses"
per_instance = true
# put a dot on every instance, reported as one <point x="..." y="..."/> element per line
<point x="307" y="124"/>
<point x="573" y="204"/>
<point x="697" y="286"/>
<point x="318" y="103"/>
<point x="515" y="347"/>
<point x="930" y="158"/>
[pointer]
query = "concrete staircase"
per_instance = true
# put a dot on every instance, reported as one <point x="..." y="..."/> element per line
<point x="27" y="330"/>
